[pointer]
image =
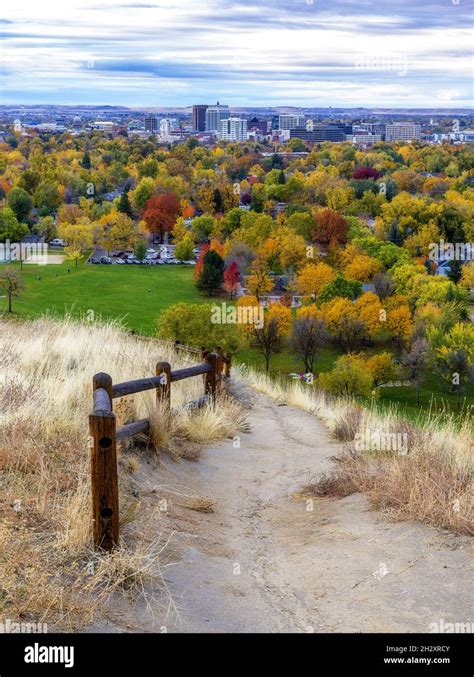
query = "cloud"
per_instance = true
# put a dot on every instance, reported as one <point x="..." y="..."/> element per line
<point x="174" y="51"/>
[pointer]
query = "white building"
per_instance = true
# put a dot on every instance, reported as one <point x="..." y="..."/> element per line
<point x="291" y="121"/>
<point x="214" y="116"/>
<point x="402" y="131"/>
<point x="233" y="129"/>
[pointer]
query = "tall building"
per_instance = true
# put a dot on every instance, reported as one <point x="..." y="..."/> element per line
<point x="151" y="124"/>
<point x="291" y="121"/>
<point x="402" y="131"/>
<point x="214" y="115"/>
<point x="199" y="118"/>
<point x="233" y="129"/>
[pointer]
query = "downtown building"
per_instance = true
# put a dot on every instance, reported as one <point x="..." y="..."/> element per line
<point x="291" y="121"/>
<point x="199" y="118"/>
<point x="318" y="133"/>
<point x="402" y="131"/>
<point x="214" y="116"/>
<point x="233" y="129"/>
<point x="151" y="124"/>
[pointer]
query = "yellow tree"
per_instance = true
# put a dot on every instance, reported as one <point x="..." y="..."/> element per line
<point x="400" y="325"/>
<point x="362" y="268"/>
<point x="259" y="282"/>
<point x="79" y="238"/>
<point x="372" y="313"/>
<point x="312" y="278"/>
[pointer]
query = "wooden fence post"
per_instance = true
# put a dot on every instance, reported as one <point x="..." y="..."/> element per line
<point x="104" y="481"/>
<point x="163" y="391"/>
<point x="210" y="378"/>
<point x="177" y="343"/>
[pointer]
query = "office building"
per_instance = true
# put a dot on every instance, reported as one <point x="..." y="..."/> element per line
<point x="151" y="124"/>
<point x="214" y="116"/>
<point x="318" y="133"/>
<point x="291" y="121"/>
<point x="199" y="118"/>
<point x="233" y="129"/>
<point x="402" y="131"/>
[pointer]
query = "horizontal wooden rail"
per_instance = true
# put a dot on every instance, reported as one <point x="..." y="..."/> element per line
<point x="132" y="429"/>
<point x="188" y="372"/>
<point x="137" y="386"/>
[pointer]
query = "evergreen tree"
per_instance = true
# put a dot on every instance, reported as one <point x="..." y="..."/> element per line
<point x="394" y="235"/>
<point x="124" y="205"/>
<point x="455" y="271"/>
<point x="212" y="275"/>
<point x="86" y="160"/>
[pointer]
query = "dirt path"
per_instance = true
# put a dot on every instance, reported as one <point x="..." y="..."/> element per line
<point x="263" y="562"/>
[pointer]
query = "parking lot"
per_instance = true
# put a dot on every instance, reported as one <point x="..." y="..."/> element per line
<point x="159" y="256"/>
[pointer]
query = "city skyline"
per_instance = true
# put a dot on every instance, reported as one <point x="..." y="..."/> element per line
<point x="295" y="52"/>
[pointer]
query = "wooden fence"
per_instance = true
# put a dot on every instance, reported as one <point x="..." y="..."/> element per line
<point x="105" y="435"/>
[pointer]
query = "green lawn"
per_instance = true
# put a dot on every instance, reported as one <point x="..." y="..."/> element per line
<point x="135" y="294"/>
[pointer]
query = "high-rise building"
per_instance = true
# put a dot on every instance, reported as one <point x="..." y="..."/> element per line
<point x="151" y="124"/>
<point x="214" y="115"/>
<point x="291" y="121"/>
<point x="402" y="131"/>
<point x="233" y="129"/>
<point x="199" y="118"/>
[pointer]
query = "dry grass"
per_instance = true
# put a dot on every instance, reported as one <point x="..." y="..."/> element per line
<point x="48" y="571"/>
<point x="429" y="479"/>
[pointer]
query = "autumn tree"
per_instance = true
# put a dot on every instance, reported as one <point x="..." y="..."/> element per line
<point x="414" y="362"/>
<point x="231" y="278"/>
<point x="160" y="213"/>
<point x="79" y="238"/>
<point x="12" y="283"/>
<point x="312" y="278"/>
<point x="259" y="282"/>
<point x="329" y="224"/>
<point x="309" y="335"/>
<point x="276" y="327"/>
<point x="21" y="203"/>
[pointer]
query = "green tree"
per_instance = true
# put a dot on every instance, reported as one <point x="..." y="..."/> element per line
<point x="349" y="289"/>
<point x="140" y="250"/>
<point x="21" y="203"/>
<point x="124" y="205"/>
<point x="212" y="275"/>
<point x="184" y="249"/>
<point x="349" y="377"/>
<point x="10" y="228"/>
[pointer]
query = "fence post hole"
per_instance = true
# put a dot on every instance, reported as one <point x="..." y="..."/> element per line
<point x="227" y="365"/>
<point x="104" y="482"/>
<point x="210" y="378"/>
<point x="163" y="390"/>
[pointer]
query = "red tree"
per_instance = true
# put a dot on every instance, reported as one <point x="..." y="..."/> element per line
<point x="160" y="213"/>
<point x="200" y="263"/>
<point x="330" y="225"/>
<point x="365" y="173"/>
<point x="231" y="278"/>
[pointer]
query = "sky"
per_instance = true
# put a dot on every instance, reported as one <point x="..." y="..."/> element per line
<point x="311" y="53"/>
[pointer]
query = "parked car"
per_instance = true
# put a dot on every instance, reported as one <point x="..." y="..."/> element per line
<point x="118" y="254"/>
<point x="120" y="262"/>
<point x="57" y="242"/>
<point x="106" y="260"/>
<point x="94" y="261"/>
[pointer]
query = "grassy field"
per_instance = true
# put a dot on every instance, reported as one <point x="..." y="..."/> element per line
<point x="138" y="294"/>
<point x="135" y="294"/>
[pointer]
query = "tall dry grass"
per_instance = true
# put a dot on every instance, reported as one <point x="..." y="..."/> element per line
<point x="429" y="480"/>
<point x="48" y="570"/>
